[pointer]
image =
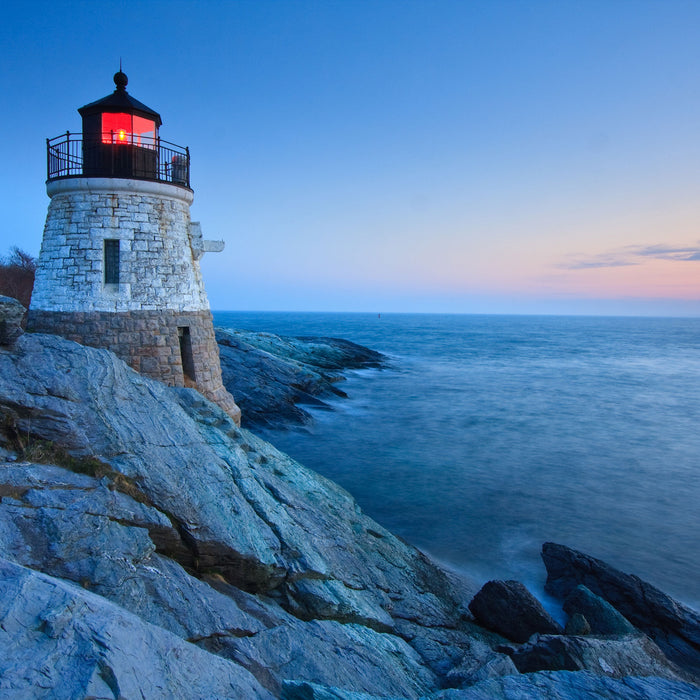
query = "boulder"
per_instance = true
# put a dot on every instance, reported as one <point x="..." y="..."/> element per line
<point x="508" y="608"/>
<point x="11" y="316"/>
<point x="601" y="617"/>
<point x="672" y="625"/>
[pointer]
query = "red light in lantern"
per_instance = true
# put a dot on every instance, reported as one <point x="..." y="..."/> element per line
<point x="123" y="128"/>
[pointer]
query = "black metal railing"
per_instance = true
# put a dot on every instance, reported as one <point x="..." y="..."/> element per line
<point x="108" y="155"/>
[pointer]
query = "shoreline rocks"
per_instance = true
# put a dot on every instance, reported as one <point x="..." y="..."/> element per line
<point x="273" y="377"/>
<point x="672" y="625"/>
<point x="201" y="527"/>
<point x="136" y="511"/>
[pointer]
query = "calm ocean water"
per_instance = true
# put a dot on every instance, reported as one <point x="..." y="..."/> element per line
<point x="489" y="435"/>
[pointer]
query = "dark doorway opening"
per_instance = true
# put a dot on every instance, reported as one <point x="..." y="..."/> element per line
<point x="183" y="334"/>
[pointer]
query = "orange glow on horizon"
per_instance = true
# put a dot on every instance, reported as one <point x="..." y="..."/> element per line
<point x="652" y="279"/>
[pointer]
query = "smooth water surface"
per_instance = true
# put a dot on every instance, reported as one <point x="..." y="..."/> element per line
<point x="489" y="435"/>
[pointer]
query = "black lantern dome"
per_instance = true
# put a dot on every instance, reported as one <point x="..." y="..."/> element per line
<point x="120" y="139"/>
<point x="120" y="135"/>
<point x="120" y="101"/>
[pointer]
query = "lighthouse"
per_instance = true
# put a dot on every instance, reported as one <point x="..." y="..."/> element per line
<point x="119" y="262"/>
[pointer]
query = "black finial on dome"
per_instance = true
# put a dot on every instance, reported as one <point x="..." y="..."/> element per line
<point x="120" y="79"/>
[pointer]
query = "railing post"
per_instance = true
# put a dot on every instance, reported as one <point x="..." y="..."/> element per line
<point x="187" y="151"/>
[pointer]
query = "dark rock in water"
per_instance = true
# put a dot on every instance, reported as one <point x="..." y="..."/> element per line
<point x="601" y="617"/>
<point x="672" y="625"/>
<point x="272" y="375"/>
<point x="11" y="315"/>
<point x="616" y="657"/>
<point x="507" y="607"/>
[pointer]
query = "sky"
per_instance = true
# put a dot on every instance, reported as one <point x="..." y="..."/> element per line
<point x="471" y="156"/>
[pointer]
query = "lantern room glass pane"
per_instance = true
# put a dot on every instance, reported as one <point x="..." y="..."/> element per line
<point x="116" y="128"/>
<point x="122" y="128"/>
<point x="144" y="131"/>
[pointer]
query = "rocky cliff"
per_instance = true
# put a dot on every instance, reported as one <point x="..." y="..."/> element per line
<point x="274" y="377"/>
<point x="151" y="548"/>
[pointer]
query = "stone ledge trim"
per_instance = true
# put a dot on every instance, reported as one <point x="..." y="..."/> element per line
<point x="115" y="184"/>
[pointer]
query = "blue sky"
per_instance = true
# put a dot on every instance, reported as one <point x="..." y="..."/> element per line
<point x="477" y="157"/>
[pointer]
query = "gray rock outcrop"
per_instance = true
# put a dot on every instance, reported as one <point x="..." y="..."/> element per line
<point x="672" y="625"/>
<point x="635" y="655"/>
<point x="273" y="377"/>
<point x="205" y="530"/>
<point x="61" y="642"/>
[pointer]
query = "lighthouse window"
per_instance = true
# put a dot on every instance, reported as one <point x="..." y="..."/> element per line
<point x="111" y="255"/>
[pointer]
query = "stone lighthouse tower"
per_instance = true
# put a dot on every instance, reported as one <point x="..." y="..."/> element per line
<point x="119" y="263"/>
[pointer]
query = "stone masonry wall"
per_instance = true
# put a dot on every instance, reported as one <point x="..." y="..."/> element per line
<point x="160" y="287"/>
<point x="158" y="268"/>
<point x="148" y="341"/>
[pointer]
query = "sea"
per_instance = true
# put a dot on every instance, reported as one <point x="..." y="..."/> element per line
<point x="486" y="436"/>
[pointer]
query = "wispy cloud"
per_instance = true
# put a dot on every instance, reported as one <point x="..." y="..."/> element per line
<point x="665" y="252"/>
<point x="604" y="260"/>
<point x="633" y="255"/>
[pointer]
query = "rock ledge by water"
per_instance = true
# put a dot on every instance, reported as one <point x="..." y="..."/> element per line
<point x="273" y="377"/>
<point x="151" y="548"/>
